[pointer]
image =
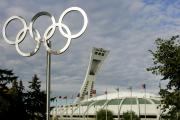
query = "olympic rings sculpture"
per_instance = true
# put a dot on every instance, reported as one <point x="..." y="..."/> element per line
<point x="49" y="32"/>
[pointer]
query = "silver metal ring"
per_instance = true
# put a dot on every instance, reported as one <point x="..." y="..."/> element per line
<point x="7" y="23"/>
<point x="82" y="29"/>
<point x="31" y="28"/>
<point x="26" y="54"/>
<point x="56" y="52"/>
<point x="49" y="32"/>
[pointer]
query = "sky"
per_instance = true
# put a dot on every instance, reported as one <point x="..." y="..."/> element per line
<point x="128" y="28"/>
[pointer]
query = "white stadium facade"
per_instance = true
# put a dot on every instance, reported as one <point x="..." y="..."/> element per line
<point x="87" y="104"/>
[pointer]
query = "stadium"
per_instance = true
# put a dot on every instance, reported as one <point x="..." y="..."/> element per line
<point x="144" y="105"/>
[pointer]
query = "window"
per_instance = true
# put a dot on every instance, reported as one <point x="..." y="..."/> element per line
<point x="100" y="102"/>
<point x="129" y="101"/>
<point x="115" y="102"/>
<point x="143" y="101"/>
<point x="87" y="103"/>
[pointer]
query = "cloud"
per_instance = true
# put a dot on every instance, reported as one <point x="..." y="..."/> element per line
<point x="126" y="28"/>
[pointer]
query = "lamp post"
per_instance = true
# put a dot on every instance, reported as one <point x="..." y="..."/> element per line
<point x="49" y="32"/>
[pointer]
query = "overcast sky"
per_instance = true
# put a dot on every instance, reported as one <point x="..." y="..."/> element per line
<point x="128" y="28"/>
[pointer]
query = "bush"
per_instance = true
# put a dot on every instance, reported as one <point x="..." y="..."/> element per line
<point x="127" y="116"/>
<point x="101" y="115"/>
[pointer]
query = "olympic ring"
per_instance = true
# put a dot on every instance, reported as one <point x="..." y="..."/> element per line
<point x="49" y="32"/>
<point x="7" y="23"/>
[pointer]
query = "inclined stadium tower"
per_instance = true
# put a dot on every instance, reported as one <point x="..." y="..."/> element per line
<point x="87" y="104"/>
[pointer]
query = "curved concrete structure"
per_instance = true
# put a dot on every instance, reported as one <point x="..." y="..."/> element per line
<point x="97" y="57"/>
<point x="86" y="104"/>
<point x="143" y="107"/>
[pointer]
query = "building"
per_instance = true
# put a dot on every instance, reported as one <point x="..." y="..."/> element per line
<point x="87" y="104"/>
<point x="120" y="102"/>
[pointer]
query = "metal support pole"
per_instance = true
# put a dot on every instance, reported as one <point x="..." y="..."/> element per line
<point x="106" y="104"/>
<point x="86" y="114"/>
<point x="131" y="102"/>
<point x="48" y="78"/>
<point x="96" y="108"/>
<point x="118" y="106"/>
<point x="66" y="108"/>
<point x="72" y="112"/>
<point x="145" y="103"/>
<point x="79" y="110"/>
<point x="48" y="33"/>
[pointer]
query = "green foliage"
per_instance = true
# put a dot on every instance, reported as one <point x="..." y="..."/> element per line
<point x="16" y="103"/>
<point x="6" y="78"/>
<point x="127" y="116"/>
<point x="166" y="59"/>
<point x="36" y="100"/>
<point x="101" y="115"/>
<point x="11" y="103"/>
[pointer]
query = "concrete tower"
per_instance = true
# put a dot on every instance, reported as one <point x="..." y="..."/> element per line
<point x="97" y="57"/>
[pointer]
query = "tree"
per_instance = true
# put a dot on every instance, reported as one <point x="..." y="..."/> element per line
<point x="127" y="116"/>
<point x="7" y="93"/>
<point x="6" y="77"/>
<point x="36" y="100"/>
<point x="101" y="115"/>
<point x="16" y="102"/>
<point x="166" y="59"/>
<point x="18" y="108"/>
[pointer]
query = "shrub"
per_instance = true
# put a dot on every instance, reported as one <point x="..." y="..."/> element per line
<point x="127" y="116"/>
<point x="101" y="115"/>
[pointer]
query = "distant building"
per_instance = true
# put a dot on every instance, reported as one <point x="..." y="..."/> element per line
<point x="86" y="104"/>
<point x="97" y="58"/>
<point x="87" y="108"/>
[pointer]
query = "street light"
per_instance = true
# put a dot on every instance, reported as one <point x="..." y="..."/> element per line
<point x="49" y="32"/>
